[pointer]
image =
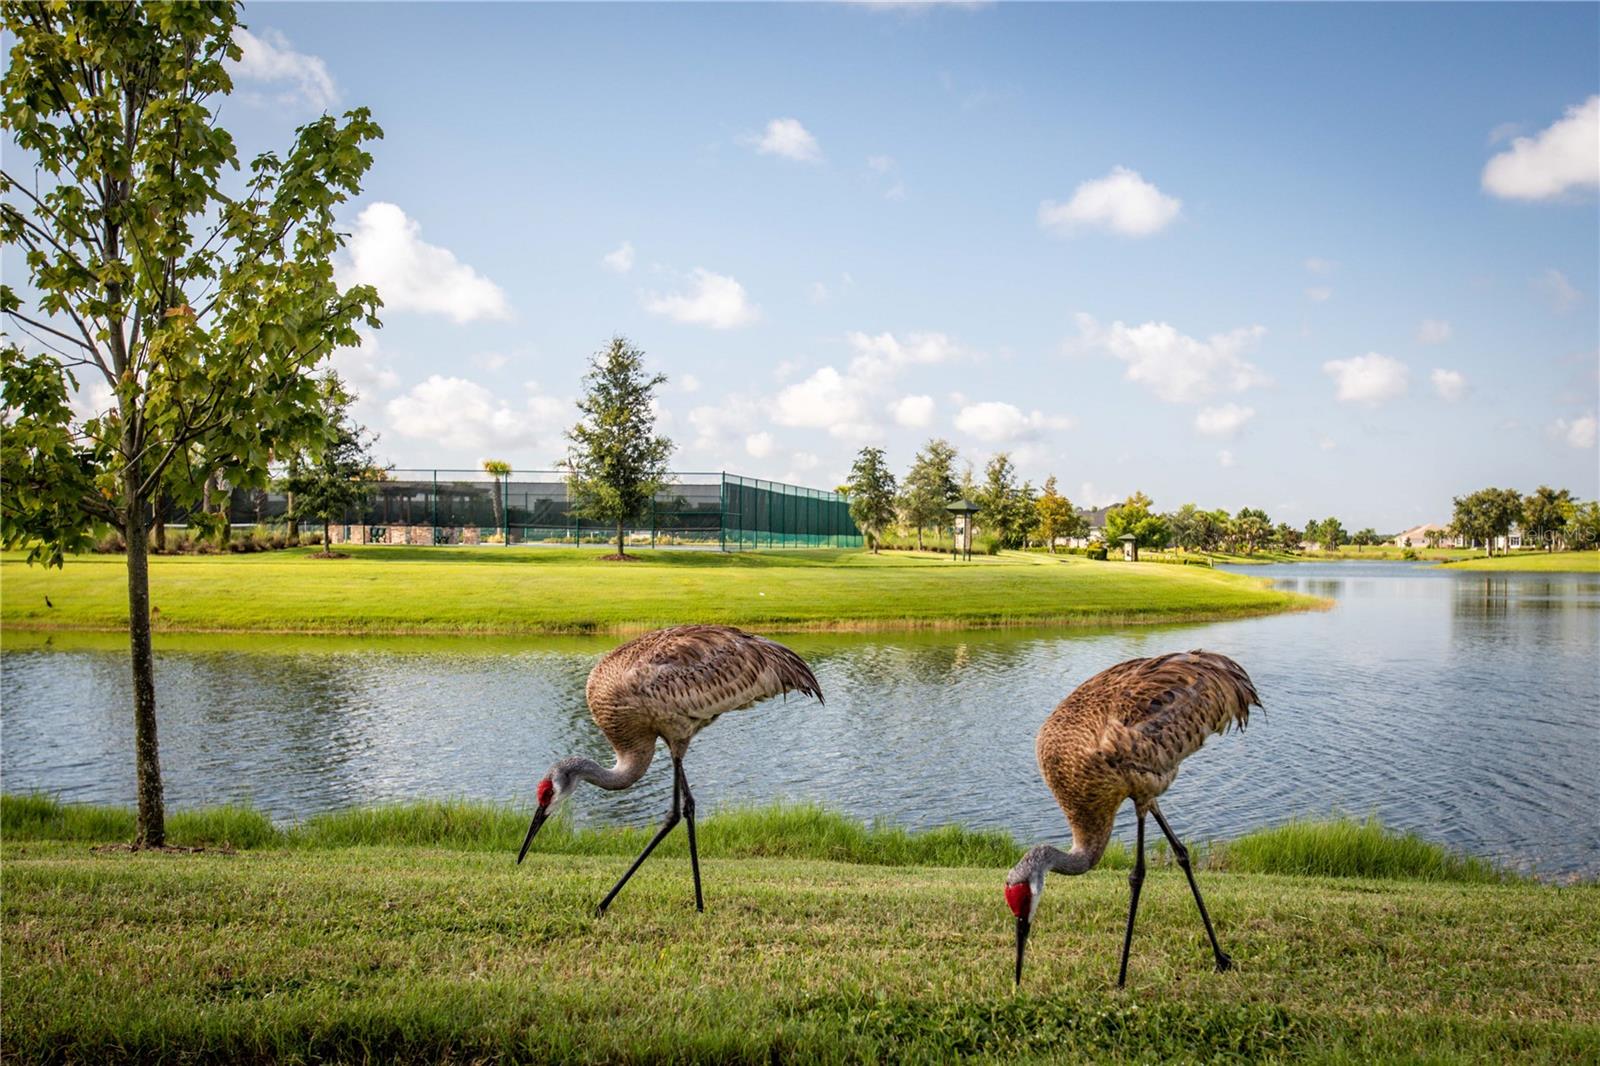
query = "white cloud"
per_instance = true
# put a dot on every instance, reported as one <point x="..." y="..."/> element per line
<point x="362" y="367"/>
<point x="715" y="300"/>
<point x="915" y="411"/>
<point x="688" y="383"/>
<point x="897" y="191"/>
<point x="387" y="251"/>
<point x="880" y="164"/>
<point x="1122" y="202"/>
<point x="1579" y="433"/>
<point x="1092" y="497"/>
<point x="885" y="354"/>
<point x="490" y="360"/>
<point x="268" y="57"/>
<point x="1433" y="331"/>
<point x="826" y="400"/>
<point x="758" y="445"/>
<point x="786" y="137"/>
<point x="1562" y="157"/>
<point x="1177" y="368"/>
<point x="1449" y="384"/>
<point x="1327" y="444"/>
<point x="457" y="413"/>
<point x="1223" y="421"/>
<point x="1319" y="293"/>
<point x="1225" y="458"/>
<point x="94" y="397"/>
<point x="1556" y="289"/>
<point x="620" y="260"/>
<point x="1318" y="265"/>
<point x="819" y="293"/>
<point x="1368" y="379"/>
<point x="996" y="422"/>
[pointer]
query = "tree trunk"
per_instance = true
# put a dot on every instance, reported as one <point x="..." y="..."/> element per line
<point x="919" y="538"/>
<point x="151" y="830"/>
<point x="291" y="518"/>
<point x="620" y="549"/>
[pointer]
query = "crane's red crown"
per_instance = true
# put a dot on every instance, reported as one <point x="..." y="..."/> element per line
<point x="547" y="792"/>
<point x="1017" y="898"/>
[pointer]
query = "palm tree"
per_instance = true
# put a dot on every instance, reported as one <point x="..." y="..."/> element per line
<point x="498" y="469"/>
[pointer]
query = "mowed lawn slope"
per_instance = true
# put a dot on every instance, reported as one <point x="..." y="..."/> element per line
<point x="543" y="590"/>
<point x="389" y="954"/>
<point x="1538" y="562"/>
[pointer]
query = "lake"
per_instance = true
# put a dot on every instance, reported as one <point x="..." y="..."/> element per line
<point x="1462" y="705"/>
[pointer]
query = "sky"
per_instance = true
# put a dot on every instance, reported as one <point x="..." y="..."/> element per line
<point x="1319" y="259"/>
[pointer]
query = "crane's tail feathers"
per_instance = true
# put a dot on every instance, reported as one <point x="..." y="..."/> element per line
<point x="793" y="673"/>
<point x="1237" y="690"/>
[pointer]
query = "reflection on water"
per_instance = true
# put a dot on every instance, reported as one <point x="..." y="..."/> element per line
<point x="1464" y="706"/>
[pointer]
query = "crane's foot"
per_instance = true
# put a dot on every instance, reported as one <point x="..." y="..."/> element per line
<point x="1224" y="963"/>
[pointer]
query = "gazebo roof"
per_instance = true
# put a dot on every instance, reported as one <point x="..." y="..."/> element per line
<point x="963" y="506"/>
<point x="1126" y="536"/>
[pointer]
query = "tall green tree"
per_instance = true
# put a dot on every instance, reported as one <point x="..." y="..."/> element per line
<point x="616" y="462"/>
<point x="1134" y="515"/>
<point x="929" y="486"/>
<point x="1544" y="515"/>
<point x="871" y="491"/>
<point x="1583" y="528"/>
<point x="341" y="475"/>
<point x="1287" y="538"/>
<point x="498" y="470"/>
<point x="1056" y="517"/>
<point x="203" y="310"/>
<point x="1486" y="515"/>
<point x="1330" y="533"/>
<point x="1252" y="529"/>
<point x="1006" y="510"/>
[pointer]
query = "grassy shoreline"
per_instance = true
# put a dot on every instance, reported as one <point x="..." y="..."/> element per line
<point x="357" y="951"/>
<point x="382" y="590"/>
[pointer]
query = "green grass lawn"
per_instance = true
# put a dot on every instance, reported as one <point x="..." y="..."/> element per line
<point x="369" y="951"/>
<point x="548" y="590"/>
<point x="1537" y="562"/>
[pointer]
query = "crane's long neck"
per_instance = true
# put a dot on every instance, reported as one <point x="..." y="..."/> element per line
<point x="1086" y="851"/>
<point x="630" y="766"/>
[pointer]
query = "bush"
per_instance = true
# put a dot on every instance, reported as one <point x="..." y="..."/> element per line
<point x="1410" y="553"/>
<point x="111" y="544"/>
<point x="1097" y="552"/>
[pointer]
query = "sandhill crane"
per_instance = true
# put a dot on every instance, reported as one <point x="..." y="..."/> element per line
<point x="670" y="684"/>
<point x="1121" y="735"/>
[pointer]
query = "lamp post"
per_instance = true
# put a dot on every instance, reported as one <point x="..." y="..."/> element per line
<point x="963" y="510"/>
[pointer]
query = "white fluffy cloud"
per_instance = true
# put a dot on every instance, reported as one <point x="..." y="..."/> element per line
<point x="1563" y="157"/>
<point x="1223" y="421"/>
<point x="826" y="400"/>
<point x="268" y="57"/>
<point x="713" y="300"/>
<point x="1319" y="293"/>
<point x="995" y="422"/>
<point x="1368" y="379"/>
<point x="914" y="411"/>
<point x="621" y="260"/>
<point x="758" y="445"/>
<point x="387" y="251"/>
<point x="1449" y="384"/>
<point x="1579" y="432"/>
<point x="786" y="137"/>
<point x="1225" y="458"/>
<point x="1177" y="368"/>
<point x="458" y="413"/>
<point x="1122" y="202"/>
<point x="1433" y="331"/>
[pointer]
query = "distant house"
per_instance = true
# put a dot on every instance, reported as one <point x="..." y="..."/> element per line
<point x="1096" y="522"/>
<point x="1417" y="536"/>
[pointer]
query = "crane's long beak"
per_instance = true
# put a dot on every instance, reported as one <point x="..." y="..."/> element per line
<point x="538" y="820"/>
<point x="1022" y="944"/>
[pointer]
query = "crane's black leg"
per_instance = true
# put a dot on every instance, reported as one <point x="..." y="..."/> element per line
<point x="688" y="820"/>
<point x="1182" y="855"/>
<point x="1135" y="883"/>
<point x="666" y="827"/>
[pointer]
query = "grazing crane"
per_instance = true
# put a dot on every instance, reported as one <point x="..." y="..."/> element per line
<point x="1121" y="735"/>
<point x="670" y="684"/>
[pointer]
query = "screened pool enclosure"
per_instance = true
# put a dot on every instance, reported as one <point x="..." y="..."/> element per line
<point x="710" y="510"/>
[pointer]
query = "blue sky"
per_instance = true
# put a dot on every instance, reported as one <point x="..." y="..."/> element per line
<point x="1239" y="255"/>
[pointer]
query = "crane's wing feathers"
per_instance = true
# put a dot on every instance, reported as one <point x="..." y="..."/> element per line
<point x="704" y="671"/>
<point x="1161" y="710"/>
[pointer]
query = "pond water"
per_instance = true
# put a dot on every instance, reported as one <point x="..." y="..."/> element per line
<point x="1465" y="706"/>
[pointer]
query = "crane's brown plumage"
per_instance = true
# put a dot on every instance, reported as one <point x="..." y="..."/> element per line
<point x="669" y="685"/>
<point x="1122" y="735"/>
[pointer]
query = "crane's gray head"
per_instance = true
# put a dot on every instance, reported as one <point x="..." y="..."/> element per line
<point x="553" y="790"/>
<point x="1024" y="886"/>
